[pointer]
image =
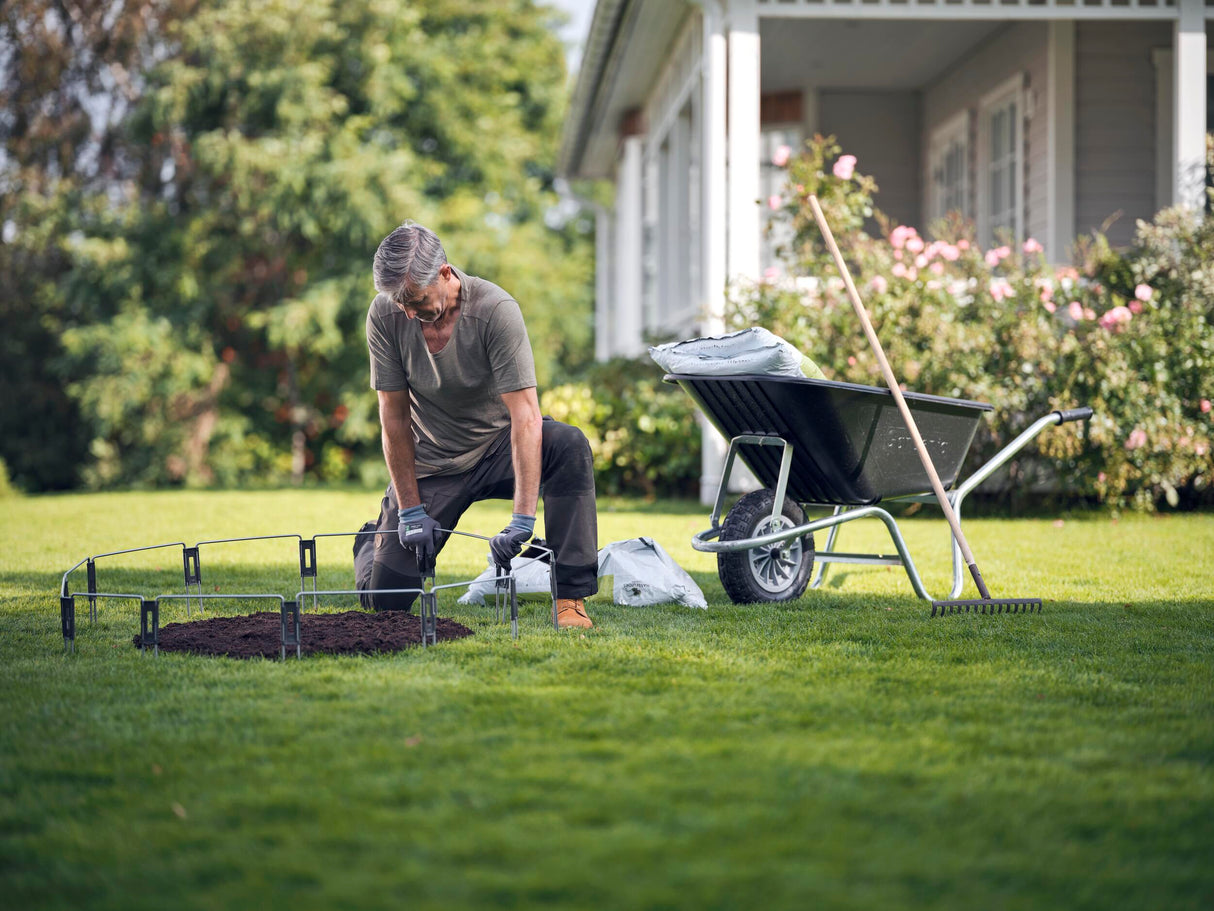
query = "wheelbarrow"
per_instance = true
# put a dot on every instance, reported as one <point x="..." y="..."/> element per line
<point x="843" y="446"/>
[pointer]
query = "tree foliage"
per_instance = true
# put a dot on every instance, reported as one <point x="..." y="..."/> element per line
<point x="205" y="259"/>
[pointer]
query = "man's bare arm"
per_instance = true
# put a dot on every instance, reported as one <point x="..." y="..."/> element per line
<point x="526" y="439"/>
<point x="396" y="433"/>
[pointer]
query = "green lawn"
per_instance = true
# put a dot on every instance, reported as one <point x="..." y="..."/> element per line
<point x="841" y="751"/>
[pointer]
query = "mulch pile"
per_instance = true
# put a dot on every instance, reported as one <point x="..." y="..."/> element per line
<point x="350" y="632"/>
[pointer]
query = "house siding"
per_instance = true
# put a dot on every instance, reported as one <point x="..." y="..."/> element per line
<point x="882" y="130"/>
<point x="1019" y="48"/>
<point x="1115" y="124"/>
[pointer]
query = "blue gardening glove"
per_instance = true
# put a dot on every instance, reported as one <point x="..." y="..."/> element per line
<point x="418" y="533"/>
<point x="508" y="543"/>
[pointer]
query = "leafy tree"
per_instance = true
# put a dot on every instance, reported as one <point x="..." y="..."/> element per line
<point x="216" y="279"/>
<point x="65" y="85"/>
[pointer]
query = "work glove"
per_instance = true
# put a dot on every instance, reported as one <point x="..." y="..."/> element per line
<point x="507" y="543"/>
<point x="418" y="533"/>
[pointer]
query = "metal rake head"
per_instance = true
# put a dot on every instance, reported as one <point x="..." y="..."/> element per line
<point x="987" y="606"/>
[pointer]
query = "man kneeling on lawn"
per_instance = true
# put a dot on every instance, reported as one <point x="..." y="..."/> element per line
<point x="460" y="419"/>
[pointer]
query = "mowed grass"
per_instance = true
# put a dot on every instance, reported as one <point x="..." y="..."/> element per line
<point x="842" y="751"/>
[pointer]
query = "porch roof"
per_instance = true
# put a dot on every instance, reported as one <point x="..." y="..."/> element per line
<point x="625" y="51"/>
<point x="623" y="55"/>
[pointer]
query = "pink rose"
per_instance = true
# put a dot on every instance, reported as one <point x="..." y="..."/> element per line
<point x="1143" y="292"/>
<point x="937" y="268"/>
<point x="1137" y="439"/>
<point x="921" y="261"/>
<point x="912" y="274"/>
<point x="1116" y="317"/>
<point x="879" y="284"/>
<point x="774" y="202"/>
<point x="914" y="244"/>
<point x="900" y="235"/>
<point x="1200" y="449"/>
<point x="1101" y="476"/>
<point x="992" y="258"/>
<point x="1136" y="306"/>
<point x="1049" y="307"/>
<point x="963" y="244"/>
<point x="1000" y="289"/>
<point x="845" y="167"/>
<point x="950" y="252"/>
<point x="1031" y="246"/>
<point x="771" y="273"/>
<point x="1075" y="311"/>
<point x="1205" y="406"/>
<point x="898" y="270"/>
<point x="851" y="361"/>
<point x="1000" y="254"/>
<point x="781" y="156"/>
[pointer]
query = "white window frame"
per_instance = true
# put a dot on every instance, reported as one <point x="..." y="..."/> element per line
<point x="954" y="132"/>
<point x="1009" y="93"/>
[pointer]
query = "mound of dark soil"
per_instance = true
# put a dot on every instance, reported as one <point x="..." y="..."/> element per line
<point x="351" y="632"/>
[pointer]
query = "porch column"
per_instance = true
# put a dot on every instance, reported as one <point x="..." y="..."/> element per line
<point x="626" y="335"/>
<point x="713" y="206"/>
<point x="1060" y="169"/>
<point x="604" y="244"/>
<point x="1189" y="110"/>
<point x="744" y="141"/>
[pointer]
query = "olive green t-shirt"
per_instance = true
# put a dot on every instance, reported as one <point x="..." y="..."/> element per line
<point x="454" y="395"/>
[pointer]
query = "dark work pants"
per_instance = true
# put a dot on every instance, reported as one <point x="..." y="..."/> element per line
<point x="570" y="518"/>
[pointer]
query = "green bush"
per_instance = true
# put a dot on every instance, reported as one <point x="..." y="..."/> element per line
<point x="1126" y="332"/>
<point x="643" y="432"/>
<point x="6" y="485"/>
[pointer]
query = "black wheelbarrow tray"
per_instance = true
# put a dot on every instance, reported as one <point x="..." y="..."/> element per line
<point x="820" y="443"/>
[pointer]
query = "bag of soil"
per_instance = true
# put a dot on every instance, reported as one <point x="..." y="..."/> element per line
<point x="531" y="579"/>
<point x="645" y="574"/>
<point x="747" y="351"/>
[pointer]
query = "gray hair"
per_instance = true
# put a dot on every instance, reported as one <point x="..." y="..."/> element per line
<point x="407" y="261"/>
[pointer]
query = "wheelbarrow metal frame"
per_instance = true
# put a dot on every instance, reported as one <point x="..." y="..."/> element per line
<point x="707" y="541"/>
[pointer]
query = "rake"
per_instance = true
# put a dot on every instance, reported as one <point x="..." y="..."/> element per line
<point x="985" y="604"/>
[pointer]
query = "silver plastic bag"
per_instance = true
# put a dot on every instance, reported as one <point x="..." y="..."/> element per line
<point x="645" y="574"/>
<point x="530" y="581"/>
<point x="747" y="351"/>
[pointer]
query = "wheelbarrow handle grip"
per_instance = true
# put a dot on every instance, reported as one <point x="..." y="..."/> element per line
<point x="1073" y="414"/>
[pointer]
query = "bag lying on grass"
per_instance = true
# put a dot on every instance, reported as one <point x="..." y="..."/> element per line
<point x="645" y="574"/>
<point x="747" y="351"/>
<point x="531" y="580"/>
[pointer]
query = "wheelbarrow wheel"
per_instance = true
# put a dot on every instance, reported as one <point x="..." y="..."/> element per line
<point x="775" y="572"/>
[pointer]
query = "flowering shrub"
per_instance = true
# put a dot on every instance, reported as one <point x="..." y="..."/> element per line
<point x="1130" y="334"/>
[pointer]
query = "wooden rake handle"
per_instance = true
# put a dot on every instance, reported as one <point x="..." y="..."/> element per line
<point x="892" y="382"/>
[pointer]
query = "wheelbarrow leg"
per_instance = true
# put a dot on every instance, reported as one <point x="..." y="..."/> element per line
<point x="820" y="575"/>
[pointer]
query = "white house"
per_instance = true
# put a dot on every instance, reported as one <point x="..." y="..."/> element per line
<point x="1043" y="117"/>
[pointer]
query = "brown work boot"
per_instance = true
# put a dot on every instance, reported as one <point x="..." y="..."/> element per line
<point x="570" y="613"/>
